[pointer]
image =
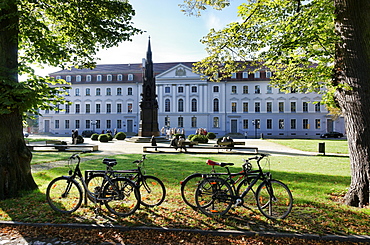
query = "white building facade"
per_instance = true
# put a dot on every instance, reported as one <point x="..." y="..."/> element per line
<point x="108" y="97"/>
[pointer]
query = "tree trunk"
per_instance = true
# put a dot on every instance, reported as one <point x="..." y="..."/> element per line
<point x="353" y="69"/>
<point x="15" y="158"/>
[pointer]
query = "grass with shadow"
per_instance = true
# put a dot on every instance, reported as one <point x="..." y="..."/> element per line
<point x="317" y="184"/>
<point x="338" y="146"/>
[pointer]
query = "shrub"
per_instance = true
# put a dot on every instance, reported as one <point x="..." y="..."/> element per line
<point x="178" y="136"/>
<point x="103" y="138"/>
<point x="211" y="135"/>
<point x="80" y="139"/>
<point x="120" y="136"/>
<point x="94" y="136"/>
<point x="199" y="138"/>
<point x="110" y="137"/>
<point x="191" y="136"/>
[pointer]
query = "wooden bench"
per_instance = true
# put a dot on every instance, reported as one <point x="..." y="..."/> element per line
<point x="63" y="147"/>
<point x="229" y="143"/>
<point x="192" y="149"/>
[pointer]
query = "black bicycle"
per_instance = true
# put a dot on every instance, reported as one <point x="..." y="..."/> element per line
<point x="120" y="195"/>
<point x="152" y="189"/>
<point x="215" y="195"/>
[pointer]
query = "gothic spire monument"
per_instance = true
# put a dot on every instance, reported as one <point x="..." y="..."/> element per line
<point x="149" y="104"/>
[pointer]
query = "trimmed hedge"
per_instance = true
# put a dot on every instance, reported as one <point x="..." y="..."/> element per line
<point x="103" y="138"/>
<point x="211" y="135"/>
<point x="199" y="138"/>
<point x="94" y="137"/>
<point x="120" y="136"/>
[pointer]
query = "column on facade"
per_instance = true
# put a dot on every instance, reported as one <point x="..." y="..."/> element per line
<point x="160" y="98"/>
<point x="174" y="100"/>
<point x="187" y="98"/>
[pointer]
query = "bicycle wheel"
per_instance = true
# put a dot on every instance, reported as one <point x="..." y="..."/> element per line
<point x="152" y="191"/>
<point x="123" y="197"/>
<point x="188" y="188"/>
<point x="274" y="199"/>
<point x="249" y="199"/>
<point x="214" y="196"/>
<point x="64" y="195"/>
<point x="94" y="184"/>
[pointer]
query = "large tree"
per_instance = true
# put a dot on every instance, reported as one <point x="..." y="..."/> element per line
<point x="311" y="46"/>
<point x="60" y="33"/>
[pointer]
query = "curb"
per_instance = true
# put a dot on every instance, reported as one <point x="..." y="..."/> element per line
<point x="349" y="238"/>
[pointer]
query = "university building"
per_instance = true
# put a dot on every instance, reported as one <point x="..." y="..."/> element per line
<point x="108" y="97"/>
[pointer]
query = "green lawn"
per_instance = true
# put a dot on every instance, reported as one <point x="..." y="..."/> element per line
<point x="312" y="145"/>
<point x="317" y="183"/>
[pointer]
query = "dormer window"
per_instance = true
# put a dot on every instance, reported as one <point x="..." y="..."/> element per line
<point x="78" y="78"/>
<point x="257" y="74"/>
<point x="88" y="78"/>
<point x="130" y="77"/>
<point x="99" y="78"/>
<point x="109" y="78"/>
<point x="68" y="78"/>
<point x="119" y="77"/>
<point x="233" y="75"/>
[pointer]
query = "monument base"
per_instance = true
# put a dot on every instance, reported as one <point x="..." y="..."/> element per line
<point x="141" y="139"/>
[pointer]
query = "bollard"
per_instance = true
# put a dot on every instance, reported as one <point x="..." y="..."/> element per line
<point x="322" y="148"/>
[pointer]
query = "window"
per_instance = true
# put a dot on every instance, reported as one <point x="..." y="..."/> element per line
<point x="257" y="89"/>
<point x="281" y="107"/>
<point x="109" y="108"/>
<point x="56" y="123"/>
<point x="68" y="78"/>
<point x="87" y="123"/>
<point x="257" y="123"/>
<point x="245" y="124"/>
<point x="180" y="105"/>
<point x="87" y="92"/>
<point x="269" y="89"/>
<point x="233" y="89"/>
<point x="305" y="106"/>
<point x="108" y="91"/>
<point x="269" y="106"/>
<point x="233" y="75"/>
<point x="193" y="122"/>
<point x="97" y="91"/>
<point x="99" y="78"/>
<point x="167" y="105"/>
<point x="245" y="74"/>
<point x="293" y="123"/>
<point x="119" y="123"/>
<point x="130" y="77"/>
<point x="129" y="91"/>
<point x="216" y="122"/>
<point x="257" y="106"/>
<point x="109" y="78"/>
<point x="97" y="108"/>
<point x="180" y="89"/>
<point x="167" y="90"/>
<point x="233" y="106"/>
<point x="167" y="121"/>
<point x="77" y="124"/>
<point x="293" y="106"/>
<point x="68" y="91"/>
<point x="245" y="107"/>
<point x="194" y="105"/>
<point x="119" y="77"/>
<point x="268" y="74"/>
<point x="129" y="107"/>
<point x="306" y="125"/>
<point x="66" y="124"/>
<point x="58" y="109"/>
<point x="257" y="74"/>
<point x="78" y="107"/>
<point x="58" y="77"/>
<point x="317" y="123"/>
<point x="216" y="89"/>
<point x="87" y="108"/>
<point x="281" y="123"/>
<point x="216" y="104"/>
<point x="77" y="92"/>
<point x="67" y="109"/>
<point x="245" y="89"/>
<point x="119" y="108"/>
<point x="194" y="89"/>
<point x="78" y="78"/>
<point x="119" y="91"/>
<point x="98" y="124"/>
<point x="180" y="122"/>
<point x="109" y="123"/>
<point x="317" y="107"/>
<point x="88" y="78"/>
<point x="269" y="123"/>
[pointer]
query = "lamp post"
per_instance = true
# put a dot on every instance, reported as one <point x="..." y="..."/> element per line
<point x="255" y="123"/>
<point x="93" y="123"/>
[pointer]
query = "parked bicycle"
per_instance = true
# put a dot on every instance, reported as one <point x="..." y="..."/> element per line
<point x="120" y="195"/>
<point x="152" y="189"/>
<point x="215" y="195"/>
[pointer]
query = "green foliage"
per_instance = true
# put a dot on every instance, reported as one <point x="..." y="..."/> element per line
<point x="179" y="135"/>
<point x="211" y="135"/>
<point x="80" y="139"/>
<point x="199" y="138"/>
<point x="120" y="136"/>
<point x="103" y="138"/>
<point x="110" y="137"/>
<point x="190" y="136"/>
<point x="94" y="137"/>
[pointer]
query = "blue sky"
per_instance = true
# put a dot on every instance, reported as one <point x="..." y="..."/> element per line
<point x="174" y="36"/>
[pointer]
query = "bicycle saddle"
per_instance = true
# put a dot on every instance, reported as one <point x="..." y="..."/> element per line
<point x="222" y="164"/>
<point x="110" y="162"/>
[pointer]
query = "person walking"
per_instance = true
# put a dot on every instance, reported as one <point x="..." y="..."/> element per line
<point x="153" y="141"/>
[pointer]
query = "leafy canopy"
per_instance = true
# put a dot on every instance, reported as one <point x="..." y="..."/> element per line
<point x="294" y="39"/>
<point x="60" y="33"/>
